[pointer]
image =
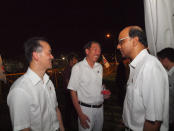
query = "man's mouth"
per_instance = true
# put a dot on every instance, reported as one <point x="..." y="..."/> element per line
<point x="96" y="57"/>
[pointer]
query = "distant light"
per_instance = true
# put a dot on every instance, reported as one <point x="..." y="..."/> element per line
<point x="108" y="35"/>
<point x="63" y="58"/>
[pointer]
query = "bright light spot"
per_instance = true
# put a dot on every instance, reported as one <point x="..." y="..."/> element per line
<point x="63" y="58"/>
<point x="108" y="35"/>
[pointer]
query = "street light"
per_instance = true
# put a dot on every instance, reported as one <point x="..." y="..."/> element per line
<point x="63" y="58"/>
<point x="108" y="35"/>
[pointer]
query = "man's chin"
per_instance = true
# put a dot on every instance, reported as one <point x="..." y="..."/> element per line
<point x="123" y="55"/>
<point x="95" y="60"/>
<point x="50" y="67"/>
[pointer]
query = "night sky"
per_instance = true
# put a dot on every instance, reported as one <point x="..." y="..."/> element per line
<point x="67" y="24"/>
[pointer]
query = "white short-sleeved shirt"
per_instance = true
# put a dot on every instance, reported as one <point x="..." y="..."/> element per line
<point x="32" y="103"/>
<point x="171" y="94"/>
<point x="87" y="82"/>
<point x="147" y="95"/>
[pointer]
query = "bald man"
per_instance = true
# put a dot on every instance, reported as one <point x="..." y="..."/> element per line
<point x="147" y="96"/>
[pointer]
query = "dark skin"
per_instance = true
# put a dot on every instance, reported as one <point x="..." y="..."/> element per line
<point x="130" y="48"/>
<point x="152" y="126"/>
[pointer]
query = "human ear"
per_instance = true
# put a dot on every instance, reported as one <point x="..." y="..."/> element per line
<point x="87" y="51"/>
<point x="35" y="56"/>
<point x="135" y="41"/>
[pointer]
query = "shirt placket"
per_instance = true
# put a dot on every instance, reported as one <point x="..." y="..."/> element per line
<point x="131" y="75"/>
<point x="50" y="104"/>
<point x="96" y="74"/>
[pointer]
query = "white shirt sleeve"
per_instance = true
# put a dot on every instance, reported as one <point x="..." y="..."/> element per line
<point x="74" y="79"/>
<point x="153" y="91"/>
<point x="18" y="102"/>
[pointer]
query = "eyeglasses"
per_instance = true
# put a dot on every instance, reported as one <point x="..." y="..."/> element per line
<point x="120" y="41"/>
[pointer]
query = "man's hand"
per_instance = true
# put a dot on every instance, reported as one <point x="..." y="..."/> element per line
<point x="84" y="121"/>
<point x="26" y="129"/>
<point x="107" y="96"/>
<point x="59" y="117"/>
<point x="106" y="93"/>
<point x="152" y="126"/>
<point x="61" y="127"/>
<point x="83" y="118"/>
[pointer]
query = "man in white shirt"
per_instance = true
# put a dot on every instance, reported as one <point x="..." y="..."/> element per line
<point x="147" y="96"/>
<point x="166" y="56"/>
<point x="86" y="86"/>
<point x="32" y="99"/>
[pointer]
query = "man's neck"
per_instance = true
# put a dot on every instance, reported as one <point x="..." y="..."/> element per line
<point x="136" y="52"/>
<point x="171" y="64"/>
<point x="91" y="63"/>
<point x="37" y="70"/>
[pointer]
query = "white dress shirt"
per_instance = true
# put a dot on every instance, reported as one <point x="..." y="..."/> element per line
<point x="32" y="103"/>
<point x="147" y="96"/>
<point x="87" y="82"/>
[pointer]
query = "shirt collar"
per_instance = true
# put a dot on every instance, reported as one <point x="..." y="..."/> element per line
<point x="138" y="58"/>
<point x="35" y="78"/>
<point x="171" y="71"/>
<point x="86" y="63"/>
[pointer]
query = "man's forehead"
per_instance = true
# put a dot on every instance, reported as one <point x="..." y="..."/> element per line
<point x="123" y="33"/>
<point x="45" y="44"/>
<point x="74" y="58"/>
<point x="94" y="44"/>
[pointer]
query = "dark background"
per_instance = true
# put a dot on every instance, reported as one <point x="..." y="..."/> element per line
<point x="68" y="24"/>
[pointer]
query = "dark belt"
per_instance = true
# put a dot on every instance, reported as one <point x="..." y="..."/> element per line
<point x="128" y="129"/>
<point x="91" y="106"/>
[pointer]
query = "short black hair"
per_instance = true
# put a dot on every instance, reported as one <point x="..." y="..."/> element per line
<point x="136" y="32"/>
<point x="166" y="53"/>
<point x="71" y="56"/>
<point x="89" y="44"/>
<point x="33" y="45"/>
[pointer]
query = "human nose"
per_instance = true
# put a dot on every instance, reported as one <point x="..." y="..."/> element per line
<point x="52" y="57"/>
<point x="98" y="52"/>
<point x="118" y="46"/>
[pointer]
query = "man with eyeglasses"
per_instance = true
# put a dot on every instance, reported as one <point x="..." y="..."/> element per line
<point x="147" y="96"/>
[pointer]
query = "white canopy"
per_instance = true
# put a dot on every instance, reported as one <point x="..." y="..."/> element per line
<point x="159" y="24"/>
